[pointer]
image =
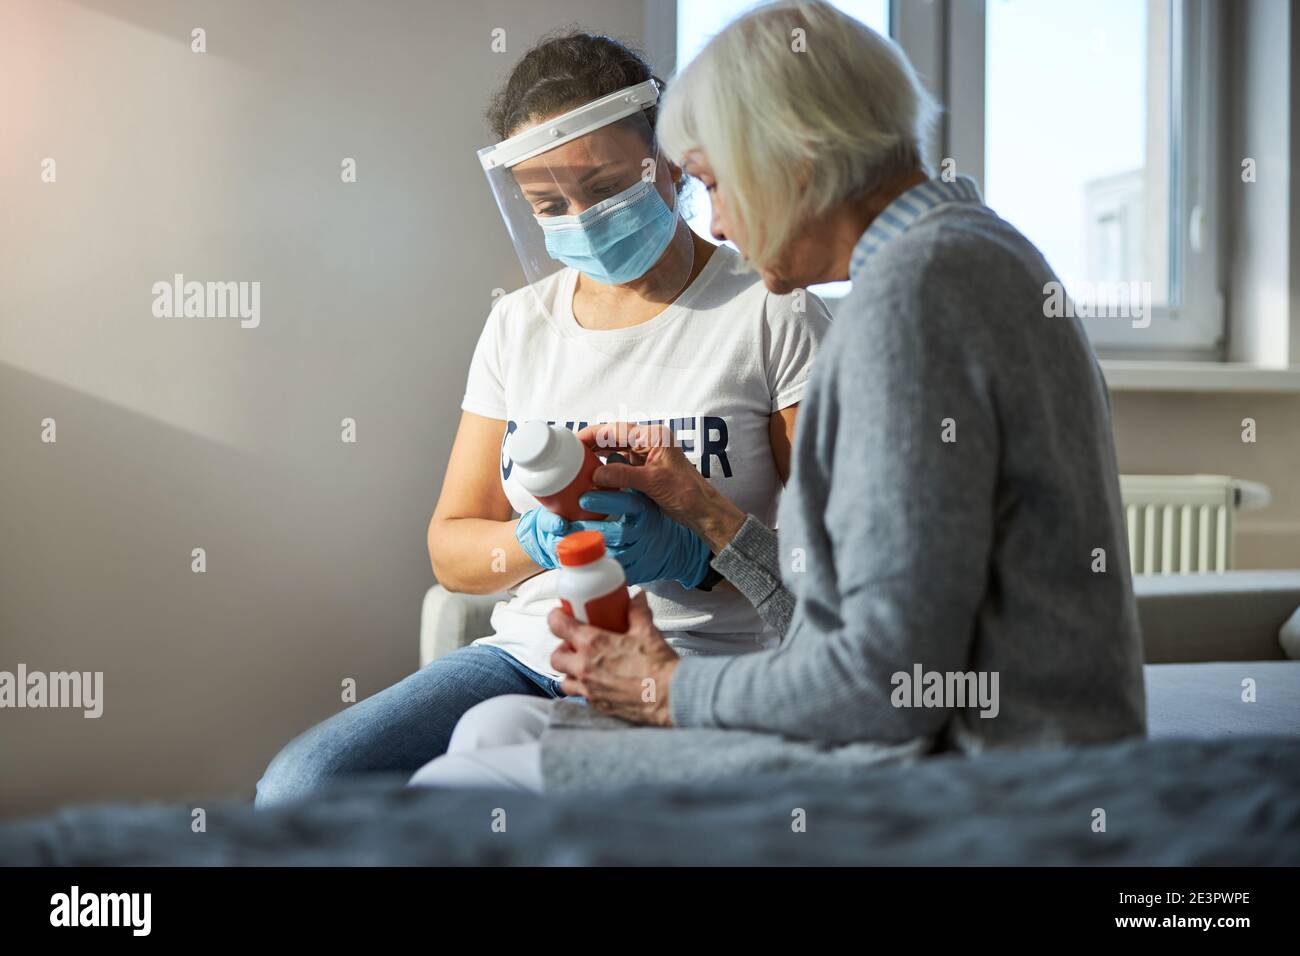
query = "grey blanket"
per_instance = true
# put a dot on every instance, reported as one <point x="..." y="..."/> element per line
<point x="1175" y="802"/>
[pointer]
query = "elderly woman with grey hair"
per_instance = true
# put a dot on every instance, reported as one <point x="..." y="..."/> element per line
<point x="951" y="570"/>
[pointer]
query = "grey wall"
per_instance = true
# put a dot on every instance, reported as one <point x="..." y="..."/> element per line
<point x="174" y="434"/>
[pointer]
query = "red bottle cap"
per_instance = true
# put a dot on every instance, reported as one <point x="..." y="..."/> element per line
<point x="581" y="547"/>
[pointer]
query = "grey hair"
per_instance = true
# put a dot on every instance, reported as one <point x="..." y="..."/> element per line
<point x="798" y="108"/>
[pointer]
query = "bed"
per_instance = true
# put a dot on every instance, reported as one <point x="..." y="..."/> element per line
<point x="1216" y="783"/>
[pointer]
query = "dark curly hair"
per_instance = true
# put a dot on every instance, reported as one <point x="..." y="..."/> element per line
<point x="564" y="71"/>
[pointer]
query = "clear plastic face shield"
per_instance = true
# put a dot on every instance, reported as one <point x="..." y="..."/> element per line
<point x="589" y="191"/>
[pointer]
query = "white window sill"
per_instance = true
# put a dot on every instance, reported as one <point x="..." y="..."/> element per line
<point x="1128" y="375"/>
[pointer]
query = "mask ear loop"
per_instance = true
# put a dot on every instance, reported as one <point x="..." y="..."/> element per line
<point x="677" y="189"/>
<point x="676" y="206"/>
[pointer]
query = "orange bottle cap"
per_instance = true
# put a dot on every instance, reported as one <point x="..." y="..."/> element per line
<point x="581" y="547"/>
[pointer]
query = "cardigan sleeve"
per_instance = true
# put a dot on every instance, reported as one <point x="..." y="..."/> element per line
<point x="750" y="561"/>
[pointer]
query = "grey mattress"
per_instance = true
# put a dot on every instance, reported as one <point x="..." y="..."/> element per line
<point x="1206" y="700"/>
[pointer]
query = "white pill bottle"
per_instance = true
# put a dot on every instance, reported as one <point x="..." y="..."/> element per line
<point x="592" y="586"/>
<point x="554" y="467"/>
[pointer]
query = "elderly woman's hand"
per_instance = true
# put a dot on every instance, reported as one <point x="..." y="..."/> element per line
<point x="625" y="675"/>
<point x="662" y="471"/>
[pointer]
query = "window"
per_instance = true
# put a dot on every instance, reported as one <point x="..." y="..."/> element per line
<point x="1092" y="126"/>
<point x="1088" y="178"/>
<point x="1089" y="152"/>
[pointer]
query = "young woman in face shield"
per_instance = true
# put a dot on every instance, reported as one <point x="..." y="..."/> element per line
<point x="626" y="315"/>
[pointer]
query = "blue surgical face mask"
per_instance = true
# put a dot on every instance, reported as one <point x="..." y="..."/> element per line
<point x="615" y="241"/>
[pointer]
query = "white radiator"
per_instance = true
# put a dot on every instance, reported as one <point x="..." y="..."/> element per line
<point x="1182" y="524"/>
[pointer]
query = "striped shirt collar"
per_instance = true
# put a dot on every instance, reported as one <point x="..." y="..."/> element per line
<point x="896" y="218"/>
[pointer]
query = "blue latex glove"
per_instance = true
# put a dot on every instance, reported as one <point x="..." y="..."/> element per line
<point x="650" y="545"/>
<point x="539" y="531"/>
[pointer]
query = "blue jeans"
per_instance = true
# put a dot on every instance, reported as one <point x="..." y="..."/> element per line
<point x="402" y="728"/>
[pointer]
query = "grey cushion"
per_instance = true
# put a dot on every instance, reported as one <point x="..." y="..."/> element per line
<point x="1204" y="700"/>
<point x="1215" y="617"/>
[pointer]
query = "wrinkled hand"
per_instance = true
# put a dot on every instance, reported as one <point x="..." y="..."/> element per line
<point x="538" y="532"/>
<point x="624" y="675"/>
<point x="648" y="544"/>
<point x="660" y="469"/>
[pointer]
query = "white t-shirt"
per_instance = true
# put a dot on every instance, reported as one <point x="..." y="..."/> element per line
<point x="716" y="364"/>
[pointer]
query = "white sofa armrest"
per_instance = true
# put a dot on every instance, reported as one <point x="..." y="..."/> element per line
<point x="449" y="621"/>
